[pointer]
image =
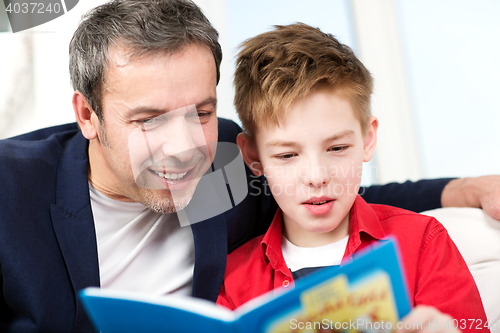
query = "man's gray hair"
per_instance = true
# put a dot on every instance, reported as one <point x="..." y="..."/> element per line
<point x="143" y="26"/>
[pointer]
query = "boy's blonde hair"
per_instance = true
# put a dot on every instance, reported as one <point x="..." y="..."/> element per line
<point x="275" y="68"/>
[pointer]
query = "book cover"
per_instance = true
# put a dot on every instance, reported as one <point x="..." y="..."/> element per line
<point x="368" y="294"/>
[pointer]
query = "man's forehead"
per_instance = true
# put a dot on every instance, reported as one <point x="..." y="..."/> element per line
<point x="151" y="82"/>
<point x="121" y="55"/>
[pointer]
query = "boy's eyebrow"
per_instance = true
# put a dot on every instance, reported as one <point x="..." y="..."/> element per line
<point x="282" y="143"/>
<point x="340" y="135"/>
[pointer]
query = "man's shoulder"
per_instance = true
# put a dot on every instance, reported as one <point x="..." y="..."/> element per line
<point x="44" y="144"/>
<point x="47" y="132"/>
<point x="228" y="130"/>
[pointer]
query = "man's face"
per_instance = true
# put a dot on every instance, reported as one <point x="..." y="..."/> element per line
<point x="313" y="162"/>
<point x="159" y="130"/>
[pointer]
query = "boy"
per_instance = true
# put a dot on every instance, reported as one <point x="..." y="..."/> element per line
<point x="304" y="102"/>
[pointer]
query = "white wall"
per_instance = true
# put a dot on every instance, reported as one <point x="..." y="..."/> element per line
<point x="48" y="101"/>
<point x="452" y="50"/>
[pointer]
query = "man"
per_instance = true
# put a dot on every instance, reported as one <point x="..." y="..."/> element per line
<point x="96" y="206"/>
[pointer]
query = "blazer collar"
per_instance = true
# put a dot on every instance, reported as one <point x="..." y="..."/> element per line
<point x="73" y="221"/>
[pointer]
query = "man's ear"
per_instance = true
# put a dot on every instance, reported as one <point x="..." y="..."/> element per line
<point x="370" y="139"/>
<point x="249" y="153"/>
<point x="85" y="116"/>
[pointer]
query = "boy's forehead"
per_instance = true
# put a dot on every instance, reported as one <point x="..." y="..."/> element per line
<point x="322" y="106"/>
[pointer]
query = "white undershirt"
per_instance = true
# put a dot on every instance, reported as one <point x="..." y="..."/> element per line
<point x="301" y="257"/>
<point x="140" y="250"/>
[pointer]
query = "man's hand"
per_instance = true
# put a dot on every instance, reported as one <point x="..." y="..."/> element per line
<point x="432" y="321"/>
<point x="481" y="192"/>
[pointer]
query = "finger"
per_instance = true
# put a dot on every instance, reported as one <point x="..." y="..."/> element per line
<point x="425" y="319"/>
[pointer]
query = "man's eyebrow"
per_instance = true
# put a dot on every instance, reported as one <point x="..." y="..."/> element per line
<point x="283" y="143"/>
<point x="144" y="109"/>
<point x="147" y="109"/>
<point x="210" y="100"/>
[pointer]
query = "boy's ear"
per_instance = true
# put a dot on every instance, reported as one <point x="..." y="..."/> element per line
<point x="370" y="139"/>
<point x="85" y="116"/>
<point x="249" y="153"/>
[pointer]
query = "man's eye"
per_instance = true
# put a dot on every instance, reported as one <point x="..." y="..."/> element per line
<point x="285" y="156"/>
<point x="200" y="116"/>
<point x="204" y="116"/>
<point x="148" y="121"/>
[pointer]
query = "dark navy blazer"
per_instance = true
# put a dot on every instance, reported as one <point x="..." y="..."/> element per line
<point x="48" y="249"/>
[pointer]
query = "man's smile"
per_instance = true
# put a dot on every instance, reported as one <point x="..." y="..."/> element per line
<point x="170" y="176"/>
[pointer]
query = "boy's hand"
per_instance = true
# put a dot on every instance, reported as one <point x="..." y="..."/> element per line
<point x="432" y="321"/>
<point x="481" y="192"/>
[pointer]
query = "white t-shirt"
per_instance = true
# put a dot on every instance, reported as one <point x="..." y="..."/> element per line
<point x="140" y="250"/>
<point x="303" y="257"/>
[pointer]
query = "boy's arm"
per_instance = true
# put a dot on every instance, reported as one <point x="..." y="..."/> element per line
<point x="444" y="281"/>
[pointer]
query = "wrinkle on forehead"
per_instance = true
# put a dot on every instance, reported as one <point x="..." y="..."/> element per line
<point x="120" y="56"/>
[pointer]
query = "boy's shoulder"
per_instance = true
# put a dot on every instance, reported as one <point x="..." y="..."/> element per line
<point x="389" y="214"/>
<point x="408" y="226"/>
<point x="246" y="252"/>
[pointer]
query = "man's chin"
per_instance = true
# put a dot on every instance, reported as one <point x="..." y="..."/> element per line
<point x="165" y="201"/>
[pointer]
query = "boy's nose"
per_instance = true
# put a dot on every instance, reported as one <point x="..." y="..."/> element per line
<point x="317" y="175"/>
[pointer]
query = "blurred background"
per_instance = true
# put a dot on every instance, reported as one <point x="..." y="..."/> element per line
<point x="436" y="65"/>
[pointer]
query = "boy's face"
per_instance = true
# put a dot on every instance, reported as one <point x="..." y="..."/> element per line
<point x="313" y="165"/>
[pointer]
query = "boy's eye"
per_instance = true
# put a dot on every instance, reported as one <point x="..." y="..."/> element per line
<point x="285" y="156"/>
<point x="338" y="148"/>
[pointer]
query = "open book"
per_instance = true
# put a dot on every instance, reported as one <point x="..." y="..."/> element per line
<point x="367" y="294"/>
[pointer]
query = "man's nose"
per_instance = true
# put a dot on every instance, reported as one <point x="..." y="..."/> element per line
<point x="180" y="142"/>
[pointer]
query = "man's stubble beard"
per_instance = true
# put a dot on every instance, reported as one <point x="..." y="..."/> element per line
<point x="162" y="204"/>
<point x="165" y="204"/>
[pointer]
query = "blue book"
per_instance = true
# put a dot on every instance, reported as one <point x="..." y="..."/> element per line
<point x="367" y="294"/>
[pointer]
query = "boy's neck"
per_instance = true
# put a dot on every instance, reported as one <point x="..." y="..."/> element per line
<point x="305" y="238"/>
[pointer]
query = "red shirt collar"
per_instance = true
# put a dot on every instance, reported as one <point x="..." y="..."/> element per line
<point x="363" y="224"/>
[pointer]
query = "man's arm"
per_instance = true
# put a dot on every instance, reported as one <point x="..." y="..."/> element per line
<point x="415" y="196"/>
<point x="481" y="192"/>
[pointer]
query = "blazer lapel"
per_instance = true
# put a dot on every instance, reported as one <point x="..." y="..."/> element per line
<point x="73" y="222"/>
<point x="210" y="241"/>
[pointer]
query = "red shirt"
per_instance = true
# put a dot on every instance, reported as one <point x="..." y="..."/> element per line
<point x="435" y="271"/>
